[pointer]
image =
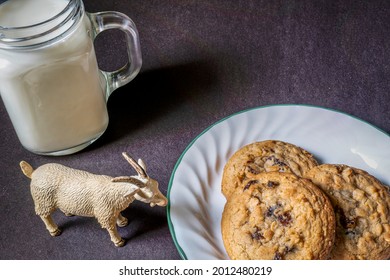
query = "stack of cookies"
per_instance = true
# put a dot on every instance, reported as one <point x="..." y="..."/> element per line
<point x="281" y="204"/>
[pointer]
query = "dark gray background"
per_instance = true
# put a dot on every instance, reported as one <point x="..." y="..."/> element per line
<point x="202" y="61"/>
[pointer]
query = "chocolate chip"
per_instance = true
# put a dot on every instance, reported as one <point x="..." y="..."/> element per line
<point x="271" y="184"/>
<point x="350" y="223"/>
<point x="257" y="235"/>
<point x="285" y="218"/>
<point x="278" y="256"/>
<point x="270" y="211"/>
<point x="276" y="161"/>
<point x="288" y="249"/>
<point x="347" y="223"/>
<point x="253" y="168"/>
<point x="250" y="183"/>
<point x="273" y="158"/>
<point x="339" y="168"/>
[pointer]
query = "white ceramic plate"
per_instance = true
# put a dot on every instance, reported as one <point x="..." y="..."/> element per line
<point x="195" y="199"/>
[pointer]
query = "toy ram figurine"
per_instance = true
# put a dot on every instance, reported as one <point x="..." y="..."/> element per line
<point x="77" y="192"/>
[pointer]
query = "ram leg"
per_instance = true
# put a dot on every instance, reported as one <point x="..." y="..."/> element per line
<point x="115" y="237"/>
<point x="122" y="221"/>
<point x="51" y="226"/>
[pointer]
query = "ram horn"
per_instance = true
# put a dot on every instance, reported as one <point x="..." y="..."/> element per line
<point x="141" y="172"/>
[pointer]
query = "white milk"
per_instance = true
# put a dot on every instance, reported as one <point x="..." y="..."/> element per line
<point x="28" y="12"/>
<point x="55" y="95"/>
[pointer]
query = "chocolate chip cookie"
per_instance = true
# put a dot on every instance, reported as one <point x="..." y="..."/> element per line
<point x="362" y="208"/>
<point x="265" y="156"/>
<point x="275" y="215"/>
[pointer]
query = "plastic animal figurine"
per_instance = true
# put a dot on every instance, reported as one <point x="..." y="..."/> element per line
<point x="77" y="192"/>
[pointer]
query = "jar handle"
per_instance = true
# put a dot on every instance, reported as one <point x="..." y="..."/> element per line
<point x="110" y="20"/>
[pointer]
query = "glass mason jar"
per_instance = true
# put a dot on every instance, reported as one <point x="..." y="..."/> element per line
<point x="50" y="82"/>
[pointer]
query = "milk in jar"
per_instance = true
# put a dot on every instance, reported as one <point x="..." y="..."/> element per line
<point x="54" y="93"/>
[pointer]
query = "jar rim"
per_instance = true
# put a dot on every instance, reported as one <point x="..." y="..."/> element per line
<point x="37" y="34"/>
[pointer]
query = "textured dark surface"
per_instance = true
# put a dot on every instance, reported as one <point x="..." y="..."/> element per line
<point x="202" y="61"/>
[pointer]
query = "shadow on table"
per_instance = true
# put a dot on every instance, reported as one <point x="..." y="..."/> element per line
<point x="141" y="221"/>
<point x="153" y="94"/>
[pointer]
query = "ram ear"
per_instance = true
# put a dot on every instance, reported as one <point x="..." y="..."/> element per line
<point x="142" y="164"/>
